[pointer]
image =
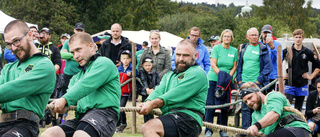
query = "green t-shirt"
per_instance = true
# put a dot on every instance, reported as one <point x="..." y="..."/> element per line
<point x="187" y="89"/>
<point x="71" y="67"/>
<point x="27" y="86"/>
<point x="251" y="64"/>
<point x="138" y="54"/>
<point x="225" y="59"/>
<point x="275" y="102"/>
<point x="96" y="87"/>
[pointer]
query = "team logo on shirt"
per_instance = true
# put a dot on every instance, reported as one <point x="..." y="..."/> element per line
<point x="28" y="68"/>
<point x="230" y="55"/>
<point x="181" y="76"/>
<point x="255" y="52"/>
<point x="303" y="56"/>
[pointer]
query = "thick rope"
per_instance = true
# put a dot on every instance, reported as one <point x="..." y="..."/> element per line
<point x="223" y="105"/>
<point x="229" y="129"/>
<point x="268" y="85"/>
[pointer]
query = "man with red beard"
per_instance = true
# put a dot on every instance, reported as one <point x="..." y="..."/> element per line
<point x="25" y="85"/>
<point x="269" y="117"/>
<point x="181" y="96"/>
<point x="46" y="47"/>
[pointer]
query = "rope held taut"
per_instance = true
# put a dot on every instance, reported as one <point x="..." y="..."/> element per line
<point x="228" y="129"/>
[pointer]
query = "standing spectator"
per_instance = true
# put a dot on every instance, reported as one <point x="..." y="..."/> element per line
<point x="25" y="85"/>
<point x="313" y="110"/>
<point x="296" y="78"/>
<point x="46" y="47"/>
<point x="150" y="79"/>
<point x="125" y="73"/>
<point x="204" y="59"/>
<point x="139" y="53"/>
<point x="254" y="66"/>
<point x="9" y="56"/>
<point x="272" y="47"/>
<point x="223" y="59"/>
<point x="35" y="34"/>
<point x="112" y="48"/>
<point x="182" y="110"/>
<point x="214" y="40"/>
<point x="159" y="54"/>
<point x="63" y="38"/>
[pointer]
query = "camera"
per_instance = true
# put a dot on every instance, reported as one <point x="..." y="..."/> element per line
<point x="269" y="35"/>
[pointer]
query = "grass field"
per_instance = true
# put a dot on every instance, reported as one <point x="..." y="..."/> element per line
<point x="128" y="131"/>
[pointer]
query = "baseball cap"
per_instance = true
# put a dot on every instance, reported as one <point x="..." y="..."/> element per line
<point x="79" y="26"/>
<point x="147" y="59"/>
<point x="33" y="27"/>
<point x="47" y="30"/>
<point x="126" y="52"/>
<point x="267" y="28"/>
<point x="145" y="43"/>
<point x="65" y="35"/>
<point x="247" y="91"/>
<point x="104" y="37"/>
<point x="213" y="37"/>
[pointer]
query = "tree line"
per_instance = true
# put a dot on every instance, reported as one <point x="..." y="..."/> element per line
<point x="165" y="15"/>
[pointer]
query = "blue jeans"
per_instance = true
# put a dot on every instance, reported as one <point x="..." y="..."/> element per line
<point x="315" y="131"/>
<point x="246" y="112"/>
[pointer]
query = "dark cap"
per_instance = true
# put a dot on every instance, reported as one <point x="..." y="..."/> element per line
<point x="126" y="52"/>
<point x="267" y="28"/>
<point x="145" y="43"/>
<point x="147" y="59"/>
<point x="79" y="26"/>
<point x="47" y="30"/>
<point x="213" y="37"/>
<point x="247" y="91"/>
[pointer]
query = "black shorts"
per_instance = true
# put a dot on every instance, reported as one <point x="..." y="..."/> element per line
<point x="96" y="122"/>
<point x="17" y="128"/>
<point x="180" y="125"/>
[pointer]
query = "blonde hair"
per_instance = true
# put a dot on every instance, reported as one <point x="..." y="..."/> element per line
<point x="249" y="84"/>
<point x="155" y="32"/>
<point x="224" y="32"/>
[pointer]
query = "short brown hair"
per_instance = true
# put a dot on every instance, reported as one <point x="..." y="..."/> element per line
<point x="83" y="37"/>
<point x="20" y="24"/>
<point x="194" y="29"/>
<point x="298" y="32"/>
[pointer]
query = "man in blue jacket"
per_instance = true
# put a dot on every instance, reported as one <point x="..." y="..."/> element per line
<point x="204" y="58"/>
<point x="254" y="66"/>
<point x="272" y="46"/>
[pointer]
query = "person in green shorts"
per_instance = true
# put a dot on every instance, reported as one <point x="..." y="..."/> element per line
<point x="269" y="116"/>
<point x="95" y="90"/>
<point x="25" y="85"/>
<point x="181" y="96"/>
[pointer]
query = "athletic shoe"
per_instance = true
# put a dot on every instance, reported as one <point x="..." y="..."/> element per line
<point x="223" y="133"/>
<point x="208" y="133"/>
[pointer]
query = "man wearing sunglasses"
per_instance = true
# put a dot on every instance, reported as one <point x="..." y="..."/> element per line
<point x="25" y="85"/>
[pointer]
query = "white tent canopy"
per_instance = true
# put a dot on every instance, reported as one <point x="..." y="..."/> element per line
<point x="5" y="19"/>
<point x="168" y="40"/>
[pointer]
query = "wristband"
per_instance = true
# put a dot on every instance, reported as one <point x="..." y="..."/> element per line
<point x="258" y="125"/>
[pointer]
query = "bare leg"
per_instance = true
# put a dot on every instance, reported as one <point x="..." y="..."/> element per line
<point x="80" y="133"/>
<point x="153" y="128"/>
<point x="55" y="131"/>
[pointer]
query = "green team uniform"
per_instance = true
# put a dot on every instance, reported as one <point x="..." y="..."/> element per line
<point x="251" y="64"/>
<point x="27" y="85"/>
<point x="275" y="102"/>
<point x="71" y="67"/>
<point x="187" y="89"/>
<point x="225" y="60"/>
<point x="138" y="54"/>
<point x="96" y="86"/>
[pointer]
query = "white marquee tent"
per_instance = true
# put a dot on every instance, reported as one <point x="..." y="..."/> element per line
<point x="168" y="40"/>
<point x="5" y="19"/>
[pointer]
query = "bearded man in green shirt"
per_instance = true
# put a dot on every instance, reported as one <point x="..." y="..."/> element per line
<point x="25" y="85"/>
<point x="181" y="96"/>
<point x="269" y="116"/>
<point x="95" y="90"/>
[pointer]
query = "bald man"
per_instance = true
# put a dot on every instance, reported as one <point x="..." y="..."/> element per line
<point x="183" y="111"/>
<point x="25" y="85"/>
<point x="112" y="48"/>
<point x="95" y="90"/>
